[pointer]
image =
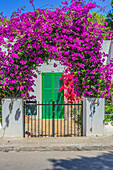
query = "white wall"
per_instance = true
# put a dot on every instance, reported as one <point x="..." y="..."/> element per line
<point x="107" y="47"/>
<point x="12" y="117"/>
<point x="93" y="116"/>
<point x="38" y="81"/>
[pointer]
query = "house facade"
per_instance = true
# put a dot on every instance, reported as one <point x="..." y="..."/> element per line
<point x="46" y="90"/>
<point x="48" y="81"/>
<point x="47" y="87"/>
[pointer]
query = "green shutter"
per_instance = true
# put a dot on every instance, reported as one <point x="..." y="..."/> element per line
<point x="51" y="83"/>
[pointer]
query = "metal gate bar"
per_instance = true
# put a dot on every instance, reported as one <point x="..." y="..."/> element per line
<point x="69" y="124"/>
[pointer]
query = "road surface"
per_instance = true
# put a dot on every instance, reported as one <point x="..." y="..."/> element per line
<point x="57" y="160"/>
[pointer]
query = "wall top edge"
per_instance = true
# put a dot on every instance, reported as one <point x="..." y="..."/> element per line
<point x="93" y="97"/>
<point x="12" y="98"/>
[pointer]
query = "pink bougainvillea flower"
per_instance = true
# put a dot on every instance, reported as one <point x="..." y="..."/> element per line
<point x="65" y="2"/>
<point x="11" y="88"/>
<point x="22" y="62"/>
<point x="45" y="35"/>
<point x="78" y="72"/>
<point x="13" y="55"/>
<point x="21" y="87"/>
<point x="12" y="74"/>
<point x="55" y="65"/>
<point x="22" y="94"/>
<point x="29" y="134"/>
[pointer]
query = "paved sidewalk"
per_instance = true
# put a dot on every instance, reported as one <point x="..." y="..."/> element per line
<point x="56" y="144"/>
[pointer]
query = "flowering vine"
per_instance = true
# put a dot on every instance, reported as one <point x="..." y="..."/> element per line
<point x="68" y="87"/>
<point x="65" y="35"/>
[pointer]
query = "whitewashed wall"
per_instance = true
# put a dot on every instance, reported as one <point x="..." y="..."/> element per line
<point x="12" y="117"/>
<point x="38" y="81"/>
<point x="93" y="116"/>
<point x="107" y="47"/>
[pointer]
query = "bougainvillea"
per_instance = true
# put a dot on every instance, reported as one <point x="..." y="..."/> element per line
<point x="67" y="86"/>
<point x="66" y="35"/>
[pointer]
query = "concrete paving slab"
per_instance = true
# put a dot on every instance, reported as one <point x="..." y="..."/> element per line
<point x="55" y="144"/>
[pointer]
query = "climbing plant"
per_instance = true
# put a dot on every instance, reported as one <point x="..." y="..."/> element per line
<point x="65" y="35"/>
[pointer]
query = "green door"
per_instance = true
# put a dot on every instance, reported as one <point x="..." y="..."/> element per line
<point x="51" y="83"/>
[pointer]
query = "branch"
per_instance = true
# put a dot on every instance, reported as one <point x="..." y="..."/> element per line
<point x="110" y="18"/>
<point x="33" y="6"/>
<point x="48" y="8"/>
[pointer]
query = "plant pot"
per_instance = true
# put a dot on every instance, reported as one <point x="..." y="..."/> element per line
<point x="27" y="118"/>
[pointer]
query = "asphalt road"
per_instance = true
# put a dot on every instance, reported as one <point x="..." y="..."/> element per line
<point x="57" y="160"/>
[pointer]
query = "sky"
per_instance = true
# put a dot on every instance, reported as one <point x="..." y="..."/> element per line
<point x="9" y="6"/>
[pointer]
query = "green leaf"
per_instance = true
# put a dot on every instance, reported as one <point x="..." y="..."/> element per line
<point x="92" y="86"/>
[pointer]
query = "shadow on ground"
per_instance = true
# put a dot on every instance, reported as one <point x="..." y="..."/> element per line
<point x="101" y="162"/>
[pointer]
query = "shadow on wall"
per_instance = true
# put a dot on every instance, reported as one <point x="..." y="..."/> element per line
<point x="10" y="111"/>
<point x="101" y="162"/>
<point x="94" y="103"/>
<point x="17" y="115"/>
<point x="7" y="117"/>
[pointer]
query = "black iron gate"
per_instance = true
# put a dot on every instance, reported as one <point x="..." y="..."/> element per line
<point x="52" y="119"/>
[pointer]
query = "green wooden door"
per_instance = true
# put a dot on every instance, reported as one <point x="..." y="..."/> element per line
<point x="51" y="83"/>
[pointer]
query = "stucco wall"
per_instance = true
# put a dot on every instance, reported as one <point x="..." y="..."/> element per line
<point x="107" y="47"/>
<point x="93" y="116"/>
<point x="38" y="81"/>
<point x="12" y="117"/>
